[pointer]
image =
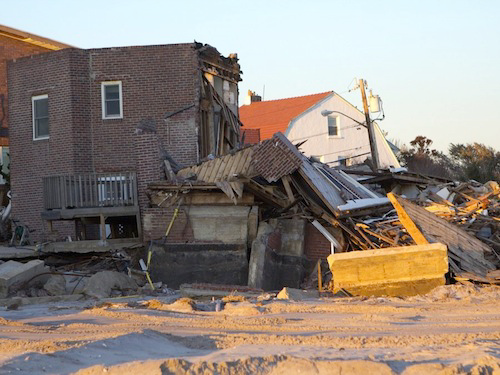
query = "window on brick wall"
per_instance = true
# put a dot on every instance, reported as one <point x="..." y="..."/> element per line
<point x="40" y="109"/>
<point x="112" y="102"/>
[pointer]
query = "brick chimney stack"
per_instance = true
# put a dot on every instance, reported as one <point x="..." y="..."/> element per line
<point x="252" y="97"/>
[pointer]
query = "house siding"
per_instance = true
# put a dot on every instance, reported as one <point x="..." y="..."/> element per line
<point x="352" y="141"/>
<point x="156" y="81"/>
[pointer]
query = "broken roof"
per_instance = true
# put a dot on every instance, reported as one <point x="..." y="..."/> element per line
<point x="273" y="116"/>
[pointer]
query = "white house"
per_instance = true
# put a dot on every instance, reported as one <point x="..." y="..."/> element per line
<point x="339" y="138"/>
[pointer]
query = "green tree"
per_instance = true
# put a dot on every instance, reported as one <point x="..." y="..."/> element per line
<point x="475" y="161"/>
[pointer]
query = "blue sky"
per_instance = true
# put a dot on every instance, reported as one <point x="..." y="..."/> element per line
<point x="435" y="64"/>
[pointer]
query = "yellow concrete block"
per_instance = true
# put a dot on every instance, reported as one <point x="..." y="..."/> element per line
<point x="396" y="271"/>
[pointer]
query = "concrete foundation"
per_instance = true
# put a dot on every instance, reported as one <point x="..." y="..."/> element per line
<point x="176" y="264"/>
<point x="292" y="236"/>
<point x="226" y="224"/>
<point x="269" y="268"/>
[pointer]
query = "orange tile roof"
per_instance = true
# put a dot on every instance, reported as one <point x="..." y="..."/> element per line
<point x="274" y="115"/>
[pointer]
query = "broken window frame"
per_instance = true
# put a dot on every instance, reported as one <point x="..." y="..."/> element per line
<point x="35" y="101"/>
<point x="105" y="100"/>
<point x="336" y="126"/>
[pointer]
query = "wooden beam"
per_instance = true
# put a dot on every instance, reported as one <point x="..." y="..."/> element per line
<point x="288" y="188"/>
<point x="408" y="223"/>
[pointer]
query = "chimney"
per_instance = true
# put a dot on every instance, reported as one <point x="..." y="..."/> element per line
<point x="252" y="97"/>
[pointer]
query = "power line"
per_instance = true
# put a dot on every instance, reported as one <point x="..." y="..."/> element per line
<point x="324" y="133"/>
<point x="349" y="149"/>
<point x="350" y="157"/>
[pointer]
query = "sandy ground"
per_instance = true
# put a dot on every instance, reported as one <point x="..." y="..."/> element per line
<point x="452" y="330"/>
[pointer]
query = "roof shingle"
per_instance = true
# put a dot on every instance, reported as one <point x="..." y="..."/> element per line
<point x="273" y="116"/>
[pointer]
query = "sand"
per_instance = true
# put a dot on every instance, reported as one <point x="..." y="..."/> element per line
<point x="452" y="330"/>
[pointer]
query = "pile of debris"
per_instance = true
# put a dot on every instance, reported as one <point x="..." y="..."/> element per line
<point x="286" y="184"/>
<point x="68" y="269"/>
<point x="473" y="206"/>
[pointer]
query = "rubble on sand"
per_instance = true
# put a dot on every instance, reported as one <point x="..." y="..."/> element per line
<point x="356" y="211"/>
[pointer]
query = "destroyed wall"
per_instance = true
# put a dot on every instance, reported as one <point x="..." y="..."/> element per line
<point x="157" y="82"/>
<point x="271" y="265"/>
<point x="155" y="221"/>
<point x="316" y="245"/>
<point x="177" y="264"/>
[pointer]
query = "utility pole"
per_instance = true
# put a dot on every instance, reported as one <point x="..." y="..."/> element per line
<point x="369" y="125"/>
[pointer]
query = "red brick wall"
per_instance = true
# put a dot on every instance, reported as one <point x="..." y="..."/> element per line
<point x="252" y="136"/>
<point x="156" y="81"/>
<point x="11" y="49"/>
<point x="316" y="245"/>
<point x="31" y="160"/>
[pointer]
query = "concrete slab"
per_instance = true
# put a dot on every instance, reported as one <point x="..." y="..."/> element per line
<point x="395" y="271"/>
<point x="83" y="247"/>
<point x="7" y="252"/>
<point x="80" y="247"/>
<point x="13" y="272"/>
<point x="297" y="294"/>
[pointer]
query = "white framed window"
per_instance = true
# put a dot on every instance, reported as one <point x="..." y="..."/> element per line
<point x="333" y="126"/>
<point x="112" y="99"/>
<point x="40" y="110"/>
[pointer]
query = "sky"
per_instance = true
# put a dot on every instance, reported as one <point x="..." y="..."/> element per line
<point x="435" y="64"/>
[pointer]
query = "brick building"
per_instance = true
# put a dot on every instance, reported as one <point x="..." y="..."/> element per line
<point x="89" y="129"/>
<point x="14" y="44"/>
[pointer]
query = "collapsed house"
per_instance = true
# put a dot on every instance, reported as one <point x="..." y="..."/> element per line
<point x="89" y="129"/>
<point x="248" y="217"/>
<point x="108" y="155"/>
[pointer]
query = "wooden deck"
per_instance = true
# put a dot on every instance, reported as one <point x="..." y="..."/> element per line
<point x="93" y="190"/>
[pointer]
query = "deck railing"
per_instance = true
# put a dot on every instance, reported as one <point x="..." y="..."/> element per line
<point x="90" y="190"/>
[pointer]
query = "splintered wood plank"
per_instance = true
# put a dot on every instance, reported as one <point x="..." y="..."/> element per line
<point x="208" y="170"/>
<point x="222" y="168"/>
<point x="205" y="168"/>
<point x="248" y="160"/>
<point x="408" y="223"/>
<point x="213" y="173"/>
<point x="237" y="187"/>
<point x="397" y="271"/>
<point x="380" y="236"/>
<point x="469" y="251"/>
<point x="241" y="163"/>
<point x="229" y="165"/>
<point x="288" y="188"/>
<point x="227" y="189"/>
<point x="237" y="157"/>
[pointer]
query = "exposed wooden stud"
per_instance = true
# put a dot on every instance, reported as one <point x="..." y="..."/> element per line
<point x="408" y="223"/>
